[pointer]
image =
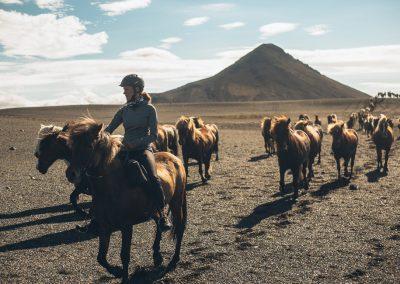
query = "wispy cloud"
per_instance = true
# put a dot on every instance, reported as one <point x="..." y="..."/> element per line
<point x="52" y="5"/>
<point x="196" y="21"/>
<point x="148" y="53"/>
<point x="277" y="28"/>
<point x="317" y="30"/>
<point x="47" y="36"/>
<point x="233" y="25"/>
<point x="19" y="2"/>
<point x="219" y="7"/>
<point x="167" y="42"/>
<point x="121" y="7"/>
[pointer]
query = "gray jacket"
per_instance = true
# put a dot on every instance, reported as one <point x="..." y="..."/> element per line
<point x="140" y="124"/>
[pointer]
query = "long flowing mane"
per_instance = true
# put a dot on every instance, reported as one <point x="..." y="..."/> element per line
<point x="106" y="146"/>
<point x="46" y="130"/>
<point x="280" y="125"/>
<point x="334" y="128"/>
<point x="382" y="124"/>
<point x="186" y="124"/>
<point x="266" y="123"/>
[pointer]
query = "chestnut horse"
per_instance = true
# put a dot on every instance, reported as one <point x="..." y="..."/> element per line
<point x="315" y="143"/>
<point x="293" y="150"/>
<point x="269" y="144"/>
<point x="197" y="143"/>
<point x="199" y="123"/>
<point x="50" y="149"/>
<point x="344" y="145"/>
<point x="117" y="204"/>
<point x="383" y="139"/>
<point x="161" y="144"/>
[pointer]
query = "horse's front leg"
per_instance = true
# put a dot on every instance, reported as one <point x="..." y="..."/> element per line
<point x="379" y="158"/>
<point x="385" y="167"/>
<point x="104" y="242"/>
<point x="207" y="165"/>
<point x="346" y="165"/>
<point x="200" y="163"/>
<point x="126" y="251"/>
<point x="186" y="162"/>
<point x="353" y="157"/>
<point x="282" y="177"/>
<point x="338" y="166"/>
<point x="157" y="257"/>
<point x="296" y="174"/>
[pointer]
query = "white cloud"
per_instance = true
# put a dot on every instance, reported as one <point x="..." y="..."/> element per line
<point x="168" y="42"/>
<point x="196" y="21"/>
<point x="370" y="69"/>
<point x="317" y="30"/>
<point x="121" y="7"/>
<point x="219" y="7"/>
<point x="47" y="36"/>
<point x="148" y="53"/>
<point x="233" y="25"/>
<point x="19" y="2"/>
<point x="277" y="28"/>
<point x="52" y="5"/>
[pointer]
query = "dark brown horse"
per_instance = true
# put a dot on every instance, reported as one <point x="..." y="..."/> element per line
<point x="344" y="145"/>
<point x="383" y="139"/>
<point x="197" y="143"/>
<point x="269" y="143"/>
<point x="118" y="205"/>
<point x="293" y="150"/>
<point x="315" y="143"/>
<point x="317" y="121"/>
<point x="49" y="149"/>
<point x="352" y="120"/>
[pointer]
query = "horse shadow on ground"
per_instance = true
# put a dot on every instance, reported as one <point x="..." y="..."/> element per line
<point x="259" y="157"/>
<point x="44" y="210"/>
<point x="326" y="188"/>
<point x="64" y="218"/>
<point x="50" y="240"/>
<point x="265" y="211"/>
<point x="375" y="175"/>
<point x="147" y="275"/>
<point x="193" y="185"/>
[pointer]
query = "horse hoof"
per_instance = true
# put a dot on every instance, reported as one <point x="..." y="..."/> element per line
<point x="208" y="176"/>
<point x="116" y="271"/>
<point x="171" y="265"/>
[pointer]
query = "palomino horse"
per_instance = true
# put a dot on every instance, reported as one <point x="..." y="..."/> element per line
<point x="383" y="139"/>
<point x="344" y="145"/>
<point x="118" y="205"/>
<point x="315" y="143"/>
<point x="172" y="137"/>
<point x="269" y="144"/>
<point x="197" y="143"/>
<point x="50" y="148"/>
<point x="293" y="149"/>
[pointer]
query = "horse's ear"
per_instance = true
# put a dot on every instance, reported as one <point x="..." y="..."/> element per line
<point x="65" y="128"/>
<point x="342" y="125"/>
<point x="97" y="129"/>
<point x="288" y="121"/>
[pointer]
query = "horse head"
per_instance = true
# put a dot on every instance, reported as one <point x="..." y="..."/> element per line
<point x="186" y="128"/>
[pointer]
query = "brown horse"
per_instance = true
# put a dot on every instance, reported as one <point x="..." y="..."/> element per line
<point x="293" y="150"/>
<point x="214" y="129"/>
<point x="317" y="121"/>
<point x="198" y="121"/>
<point x="118" y="205"/>
<point x="304" y="116"/>
<point x="172" y="137"/>
<point x="344" y="145"/>
<point x="269" y="144"/>
<point x="352" y="120"/>
<point x="315" y="143"/>
<point x="332" y="118"/>
<point x="161" y="144"/>
<point x="197" y="143"/>
<point x="383" y="139"/>
<point x="49" y="149"/>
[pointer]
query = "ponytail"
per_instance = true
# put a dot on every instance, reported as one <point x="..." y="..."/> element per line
<point x="146" y="97"/>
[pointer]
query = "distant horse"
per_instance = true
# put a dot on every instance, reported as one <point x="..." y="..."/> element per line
<point x="315" y="143"/>
<point x="197" y="143"/>
<point x="361" y="118"/>
<point x="269" y="144"/>
<point x="317" y="121"/>
<point x="383" y="139"/>
<point x="304" y="116"/>
<point x="198" y="121"/>
<point x="50" y="148"/>
<point x="344" y="145"/>
<point x="172" y="137"/>
<point x="293" y="150"/>
<point x="161" y="144"/>
<point x="352" y="120"/>
<point x="118" y="205"/>
<point x="332" y="118"/>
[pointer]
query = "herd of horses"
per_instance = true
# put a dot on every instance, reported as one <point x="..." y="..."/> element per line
<point x="94" y="167"/>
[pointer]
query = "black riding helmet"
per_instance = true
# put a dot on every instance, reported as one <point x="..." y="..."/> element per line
<point x="134" y="81"/>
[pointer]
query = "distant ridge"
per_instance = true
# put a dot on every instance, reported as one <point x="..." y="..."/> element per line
<point x="266" y="73"/>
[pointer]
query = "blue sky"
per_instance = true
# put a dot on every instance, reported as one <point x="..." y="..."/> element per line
<point x="74" y="51"/>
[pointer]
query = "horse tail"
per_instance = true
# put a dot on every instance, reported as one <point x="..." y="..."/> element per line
<point x="178" y="205"/>
<point x="174" y="142"/>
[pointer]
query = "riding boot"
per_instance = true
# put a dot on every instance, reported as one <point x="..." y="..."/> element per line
<point x="159" y="200"/>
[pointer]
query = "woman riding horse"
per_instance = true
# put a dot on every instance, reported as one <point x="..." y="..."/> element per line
<point x="139" y="119"/>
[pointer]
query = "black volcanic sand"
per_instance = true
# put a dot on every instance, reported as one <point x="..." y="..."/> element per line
<point x="240" y="228"/>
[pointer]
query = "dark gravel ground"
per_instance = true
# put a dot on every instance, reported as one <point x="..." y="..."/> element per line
<point x="240" y="228"/>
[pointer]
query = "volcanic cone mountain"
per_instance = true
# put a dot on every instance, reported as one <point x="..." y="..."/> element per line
<point x="266" y="73"/>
